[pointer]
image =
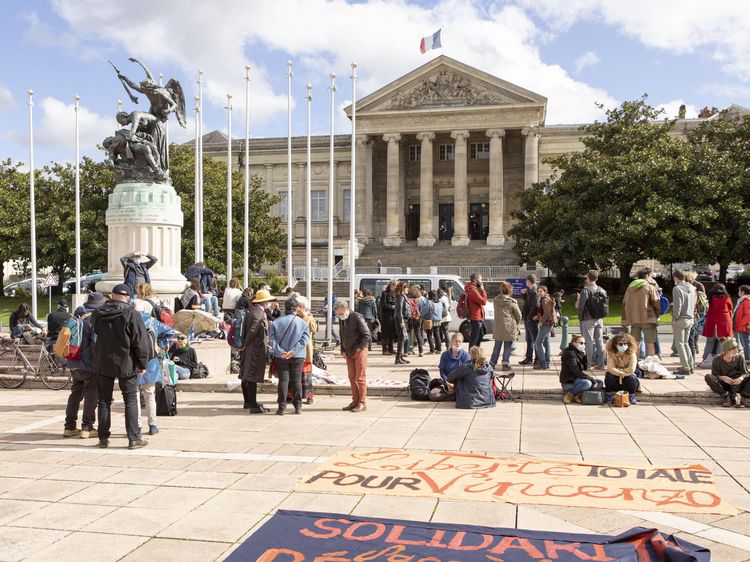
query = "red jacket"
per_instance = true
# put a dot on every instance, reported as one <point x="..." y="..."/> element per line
<point x="742" y="316"/>
<point x="475" y="301"/>
<point x="719" y="317"/>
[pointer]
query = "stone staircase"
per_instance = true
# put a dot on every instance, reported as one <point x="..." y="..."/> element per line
<point x="442" y="253"/>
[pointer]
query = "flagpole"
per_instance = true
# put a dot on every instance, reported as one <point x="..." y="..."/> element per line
<point x="78" y="208"/>
<point x="353" y="192"/>
<point x="331" y="189"/>
<point x="196" y="211"/>
<point x="308" y="223"/>
<point x="229" y="187"/>
<point x="246" y="245"/>
<point x="200" y="162"/>
<point x="289" y="196"/>
<point x="32" y="205"/>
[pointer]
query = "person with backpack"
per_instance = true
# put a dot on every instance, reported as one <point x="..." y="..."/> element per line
<point x="231" y="295"/>
<point x="303" y="311"/>
<point x="55" y="321"/>
<point x="122" y="353"/>
<point x="473" y="382"/>
<point x="355" y="338"/>
<point x="742" y="320"/>
<point x="253" y="356"/>
<point x="506" y="329"/>
<point x="415" y="321"/>
<point x="593" y="307"/>
<point x="135" y="268"/>
<point x="159" y="335"/>
<point x="83" y="373"/>
<point x="718" y="324"/>
<point x="641" y="308"/>
<point x="288" y="337"/>
<point x="528" y="311"/>
<point x="476" y="298"/>
<point x="683" y="311"/>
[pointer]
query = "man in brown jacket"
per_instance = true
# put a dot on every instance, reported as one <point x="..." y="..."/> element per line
<point x="355" y="339"/>
<point x="641" y="308"/>
<point x="547" y="318"/>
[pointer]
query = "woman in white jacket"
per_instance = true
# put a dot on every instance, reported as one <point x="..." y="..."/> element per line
<point x="445" y="299"/>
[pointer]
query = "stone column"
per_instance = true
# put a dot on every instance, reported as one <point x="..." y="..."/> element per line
<point x="363" y="208"/>
<point x="460" y="191"/>
<point x="369" y="206"/>
<point x="394" y="236"/>
<point x="426" y="192"/>
<point x="269" y="179"/>
<point x="496" y="236"/>
<point x="531" y="156"/>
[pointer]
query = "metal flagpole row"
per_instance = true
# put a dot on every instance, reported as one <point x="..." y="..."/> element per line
<point x="308" y="206"/>
<point x="196" y="204"/>
<point x="199" y="232"/>
<point x="229" y="187"/>
<point x="289" y="195"/>
<point x="246" y="241"/>
<point x="78" y="211"/>
<point x="353" y="193"/>
<point x="331" y="188"/>
<point x="32" y="206"/>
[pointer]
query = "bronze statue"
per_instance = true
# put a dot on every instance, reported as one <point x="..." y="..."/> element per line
<point x="141" y="154"/>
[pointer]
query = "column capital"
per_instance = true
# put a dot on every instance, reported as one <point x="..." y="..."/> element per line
<point x="269" y="166"/>
<point x="425" y="136"/>
<point x="301" y="164"/>
<point x="363" y="139"/>
<point x="460" y="135"/>
<point x="495" y="133"/>
<point x="392" y="137"/>
<point x="530" y="131"/>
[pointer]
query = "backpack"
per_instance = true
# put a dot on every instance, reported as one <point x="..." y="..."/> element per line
<point x="236" y="334"/>
<point x="414" y="308"/>
<point x="162" y="314"/>
<point x="419" y="384"/>
<point x="199" y="372"/>
<point x="598" y="304"/>
<point x="68" y="343"/>
<point x="701" y="305"/>
<point x="664" y="303"/>
<point x="462" y="307"/>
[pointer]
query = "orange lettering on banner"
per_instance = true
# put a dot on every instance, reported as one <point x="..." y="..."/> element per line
<point x="517" y="543"/>
<point x="322" y="524"/>
<point x="377" y="532"/>
<point x="274" y="554"/>
<point x="395" y="537"/>
<point x="457" y="542"/>
<point x="552" y="548"/>
<point x="340" y="556"/>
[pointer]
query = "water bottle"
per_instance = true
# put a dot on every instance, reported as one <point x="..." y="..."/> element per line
<point x="191" y="334"/>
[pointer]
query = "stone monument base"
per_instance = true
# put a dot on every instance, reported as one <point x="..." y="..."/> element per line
<point x="145" y="217"/>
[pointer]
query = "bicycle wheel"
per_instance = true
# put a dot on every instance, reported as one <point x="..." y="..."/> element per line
<point x="12" y="369"/>
<point x="54" y="376"/>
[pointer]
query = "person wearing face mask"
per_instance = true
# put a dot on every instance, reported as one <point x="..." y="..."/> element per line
<point x="454" y="357"/>
<point x="355" y="339"/>
<point x="135" y="269"/>
<point x="728" y="377"/>
<point x="573" y="376"/>
<point x="622" y="360"/>
<point x="253" y="354"/>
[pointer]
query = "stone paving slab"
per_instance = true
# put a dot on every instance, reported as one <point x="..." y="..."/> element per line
<point x="215" y="473"/>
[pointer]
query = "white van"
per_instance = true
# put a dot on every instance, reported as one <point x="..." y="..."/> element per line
<point x="376" y="282"/>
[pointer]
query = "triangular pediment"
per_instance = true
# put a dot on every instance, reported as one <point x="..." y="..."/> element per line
<point x="445" y="83"/>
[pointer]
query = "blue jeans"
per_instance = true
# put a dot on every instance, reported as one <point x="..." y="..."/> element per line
<point x="710" y="343"/>
<point x="744" y="339"/>
<point x="581" y="385"/>
<point x="182" y="372"/>
<point x="532" y="329"/>
<point x="506" y="352"/>
<point x="210" y="304"/>
<point x="542" y="346"/>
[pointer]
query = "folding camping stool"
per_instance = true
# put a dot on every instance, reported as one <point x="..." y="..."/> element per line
<point x="505" y="382"/>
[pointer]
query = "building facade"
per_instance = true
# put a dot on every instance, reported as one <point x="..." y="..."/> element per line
<point x="442" y="154"/>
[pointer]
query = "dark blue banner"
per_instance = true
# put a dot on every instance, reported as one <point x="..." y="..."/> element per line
<point x="297" y="536"/>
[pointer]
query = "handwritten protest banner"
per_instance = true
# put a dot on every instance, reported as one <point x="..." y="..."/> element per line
<point x="683" y="489"/>
<point x="298" y="536"/>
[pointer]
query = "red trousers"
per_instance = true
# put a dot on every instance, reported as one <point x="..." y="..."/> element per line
<point x="357" y="370"/>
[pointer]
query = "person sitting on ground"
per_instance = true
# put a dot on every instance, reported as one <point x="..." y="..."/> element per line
<point x="135" y="268"/>
<point x="453" y="357"/>
<point x="207" y="289"/>
<point x="641" y="308"/>
<point x="473" y="382"/>
<point x="573" y="376"/>
<point x="184" y="357"/>
<point x="507" y="320"/>
<point x="23" y="324"/>
<point x="728" y="376"/>
<point x="231" y="295"/>
<point x="742" y="320"/>
<point x="191" y="298"/>
<point x="718" y="324"/>
<point x="622" y="360"/>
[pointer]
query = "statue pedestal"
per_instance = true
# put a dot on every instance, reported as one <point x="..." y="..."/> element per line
<point x="145" y="217"/>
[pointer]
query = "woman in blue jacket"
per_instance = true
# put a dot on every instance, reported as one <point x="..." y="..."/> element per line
<point x="454" y="357"/>
<point x="473" y="382"/>
<point x="160" y="334"/>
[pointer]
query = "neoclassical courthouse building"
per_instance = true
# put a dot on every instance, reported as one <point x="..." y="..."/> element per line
<point x="442" y="154"/>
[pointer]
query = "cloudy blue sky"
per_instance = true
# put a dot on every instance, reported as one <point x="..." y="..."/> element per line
<point x="574" y="52"/>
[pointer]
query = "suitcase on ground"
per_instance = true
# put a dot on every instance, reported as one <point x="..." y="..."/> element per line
<point x="166" y="399"/>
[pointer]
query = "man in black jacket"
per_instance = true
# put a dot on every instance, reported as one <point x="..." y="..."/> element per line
<point x="355" y="339"/>
<point x="56" y="319"/>
<point x="529" y="310"/>
<point x="573" y="376"/>
<point x="122" y="351"/>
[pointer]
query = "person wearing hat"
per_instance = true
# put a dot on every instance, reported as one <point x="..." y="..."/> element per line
<point x="355" y="339"/>
<point x="288" y="337"/>
<point x="56" y="319"/>
<point x="122" y="352"/>
<point x="728" y="377"/>
<point x="84" y="377"/>
<point x="253" y="353"/>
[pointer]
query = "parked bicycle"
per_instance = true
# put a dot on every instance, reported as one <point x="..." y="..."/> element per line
<point x="16" y="365"/>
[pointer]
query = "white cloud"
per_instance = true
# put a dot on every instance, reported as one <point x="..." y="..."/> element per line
<point x="589" y="58"/>
<point x="6" y="98"/>
<point x="672" y="109"/>
<point x="321" y="36"/>
<point x="677" y="26"/>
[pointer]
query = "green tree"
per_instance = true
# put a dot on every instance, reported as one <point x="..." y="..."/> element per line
<point x="14" y="215"/>
<point x="625" y="197"/>
<point x="721" y="165"/>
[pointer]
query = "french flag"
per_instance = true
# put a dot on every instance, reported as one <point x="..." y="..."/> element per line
<point x="430" y="42"/>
